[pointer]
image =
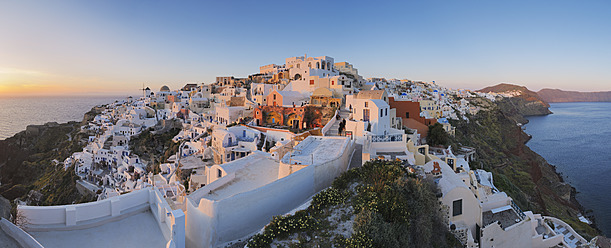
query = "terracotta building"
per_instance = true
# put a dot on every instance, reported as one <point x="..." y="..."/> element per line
<point x="410" y="113"/>
<point x="293" y="117"/>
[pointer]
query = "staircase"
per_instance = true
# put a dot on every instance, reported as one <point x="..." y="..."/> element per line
<point x="344" y="114"/>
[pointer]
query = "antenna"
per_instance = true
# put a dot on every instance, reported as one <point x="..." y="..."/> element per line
<point x="143" y="90"/>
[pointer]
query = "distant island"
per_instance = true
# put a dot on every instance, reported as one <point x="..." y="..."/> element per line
<point x="556" y="95"/>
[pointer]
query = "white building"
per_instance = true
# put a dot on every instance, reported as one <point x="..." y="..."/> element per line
<point x="246" y="193"/>
<point x="482" y="216"/>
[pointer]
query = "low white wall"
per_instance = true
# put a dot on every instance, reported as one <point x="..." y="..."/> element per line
<point x="214" y="223"/>
<point x="171" y="222"/>
<point x="199" y="228"/>
<point x="567" y="226"/>
<point x="23" y="239"/>
<point x="70" y="215"/>
<point x="326" y="173"/>
<point x="77" y="216"/>
<point x="201" y="192"/>
<point x="246" y="213"/>
<point x="518" y="235"/>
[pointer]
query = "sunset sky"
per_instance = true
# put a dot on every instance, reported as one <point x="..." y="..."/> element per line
<point x="113" y="47"/>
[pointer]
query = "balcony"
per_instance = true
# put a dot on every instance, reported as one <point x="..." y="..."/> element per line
<point x="386" y="138"/>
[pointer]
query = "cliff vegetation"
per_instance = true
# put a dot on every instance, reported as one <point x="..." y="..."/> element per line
<point x="377" y="205"/>
<point x="31" y="168"/>
<point x="523" y="174"/>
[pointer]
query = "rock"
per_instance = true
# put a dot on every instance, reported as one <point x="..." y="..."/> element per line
<point x="556" y="95"/>
<point x="598" y="242"/>
<point x="527" y="103"/>
<point x="5" y="208"/>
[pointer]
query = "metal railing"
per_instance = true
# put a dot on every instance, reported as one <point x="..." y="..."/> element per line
<point x="386" y="138"/>
<point x="518" y="210"/>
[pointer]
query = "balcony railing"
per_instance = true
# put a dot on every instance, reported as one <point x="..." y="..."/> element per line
<point x="246" y="139"/>
<point x="387" y="138"/>
<point x="518" y="210"/>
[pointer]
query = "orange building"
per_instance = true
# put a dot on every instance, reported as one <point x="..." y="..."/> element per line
<point x="285" y="98"/>
<point x="410" y="113"/>
<point x="292" y="117"/>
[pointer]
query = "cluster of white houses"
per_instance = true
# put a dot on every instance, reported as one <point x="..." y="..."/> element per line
<point x="262" y="146"/>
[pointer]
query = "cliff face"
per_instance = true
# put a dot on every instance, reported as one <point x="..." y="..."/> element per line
<point x="29" y="167"/>
<point x="556" y="95"/>
<point x="533" y="183"/>
<point x="527" y="103"/>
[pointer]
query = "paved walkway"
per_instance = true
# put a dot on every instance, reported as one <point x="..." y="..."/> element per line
<point x="140" y="230"/>
<point x="334" y="128"/>
<point x="357" y="157"/>
<point x="7" y="242"/>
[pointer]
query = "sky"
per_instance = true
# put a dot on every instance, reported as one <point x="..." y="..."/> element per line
<point x="114" y="47"/>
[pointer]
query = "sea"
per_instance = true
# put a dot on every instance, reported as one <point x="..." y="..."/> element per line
<point x="16" y="113"/>
<point x="576" y="138"/>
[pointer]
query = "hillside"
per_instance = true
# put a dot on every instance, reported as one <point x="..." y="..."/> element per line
<point x="30" y="168"/>
<point x="556" y="95"/>
<point x="378" y="205"/>
<point x="523" y="174"/>
<point x="526" y="103"/>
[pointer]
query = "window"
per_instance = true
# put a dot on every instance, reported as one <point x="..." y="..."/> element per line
<point x="274" y="96"/>
<point x="365" y="114"/>
<point x="366" y="103"/>
<point x="406" y="114"/>
<point x="228" y="157"/>
<point x="386" y="112"/>
<point x="311" y="82"/>
<point x="457" y="207"/>
<point x="220" y="172"/>
<point x="381" y="112"/>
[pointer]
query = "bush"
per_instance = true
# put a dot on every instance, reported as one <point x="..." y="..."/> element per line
<point x="437" y="136"/>
<point x="392" y="208"/>
<point x="282" y="227"/>
<point x="328" y="197"/>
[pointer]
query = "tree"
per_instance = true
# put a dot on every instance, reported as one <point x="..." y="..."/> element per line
<point x="437" y="136"/>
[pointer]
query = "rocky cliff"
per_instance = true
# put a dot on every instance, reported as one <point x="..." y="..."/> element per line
<point x="31" y="168"/>
<point x="556" y="95"/>
<point x="525" y="103"/>
<point x="523" y="174"/>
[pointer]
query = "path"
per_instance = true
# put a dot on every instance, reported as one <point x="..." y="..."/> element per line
<point x="334" y="128"/>
<point x="357" y="157"/>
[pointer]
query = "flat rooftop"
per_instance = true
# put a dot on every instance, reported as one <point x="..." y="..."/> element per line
<point x="506" y="218"/>
<point x="316" y="150"/>
<point x="139" y="230"/>
<point x="253" y="171"/>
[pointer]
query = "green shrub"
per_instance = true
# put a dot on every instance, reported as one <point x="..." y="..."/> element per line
<point x="282" y="227"/>
<point x="328" y="197"/>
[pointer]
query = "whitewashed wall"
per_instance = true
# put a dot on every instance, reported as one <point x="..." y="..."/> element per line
<point x="79" y="216"/>
<point x="214" y="223"/>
